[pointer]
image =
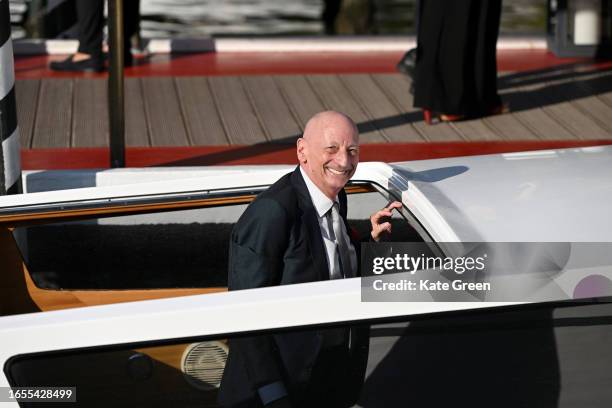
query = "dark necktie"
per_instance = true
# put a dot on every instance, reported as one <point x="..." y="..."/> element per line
<point x="342" y="246"/>
<point x="343" y="269"/>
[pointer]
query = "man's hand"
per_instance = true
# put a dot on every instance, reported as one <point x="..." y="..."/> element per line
<point x="380" y="225"/>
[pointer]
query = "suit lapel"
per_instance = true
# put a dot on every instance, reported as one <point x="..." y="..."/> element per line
<point x="310" y="221"/>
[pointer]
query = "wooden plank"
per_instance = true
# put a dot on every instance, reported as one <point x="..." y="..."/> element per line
<point x="475" y="130"/>
<point x="26" y="95"/>
<point x="301" y="98"/>
<point x="385" y="115"/>
<point x="588" y="87"/>
<point x="397" y="89"/>
<point x="556" y="99"/>
<point x="236" y="112"/>
<point x="606" y="97"/>
<point x="577" y="122"/>
<point x="335" y="96"/>
<point x="53" y="124"/>
<point x="162" y="106"/>
<point x="90" y="116"/>
<point x="599" y="112"/>
<point x="550" y="93"/>
<point x="136" y="129"/>
<point x="272" y="109"/>
<point x="438" y="132"/>
<point x="525" y="106"/>
<point x="544" y="125"/>
<point x="509" y="127"/>
<point x="201" y="116"/>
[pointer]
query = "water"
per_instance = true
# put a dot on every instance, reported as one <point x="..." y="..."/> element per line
<point x="200" y="18"/>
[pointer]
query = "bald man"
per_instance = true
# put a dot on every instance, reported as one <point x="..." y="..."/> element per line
<point x="295" y="232"/>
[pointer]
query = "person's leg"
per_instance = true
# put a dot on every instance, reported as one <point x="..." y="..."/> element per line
<point x="485" y="61"/>
<point x="454" y="58"/>
<point x="331" y="9"/>
<point x="90" y="15"/>
<point x="328" y="385"/>
<point x="90" y="22"/>
<point x="131" y="28"/>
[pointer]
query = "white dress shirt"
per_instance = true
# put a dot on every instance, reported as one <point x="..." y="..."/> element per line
<point x="323" y="204"/>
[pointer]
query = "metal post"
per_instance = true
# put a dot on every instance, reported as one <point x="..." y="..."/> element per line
<point x="10" y="163"/>
<point x="116" y="109"/>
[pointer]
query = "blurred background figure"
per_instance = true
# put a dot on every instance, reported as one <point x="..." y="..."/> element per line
<point x="456" y="68"/>
<point x="349" y="17"/>
<point x="90" y="26"/>
<point x="331" y="8"/>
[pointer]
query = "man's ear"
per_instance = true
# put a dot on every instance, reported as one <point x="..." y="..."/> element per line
<point x="301" y="150"/>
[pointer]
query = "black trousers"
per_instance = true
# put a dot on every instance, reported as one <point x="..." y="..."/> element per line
<point x="331" y="8"/>
<point x="329" y="386"/>
<point x="90" y="21"/>
<point x="456" y="68"/>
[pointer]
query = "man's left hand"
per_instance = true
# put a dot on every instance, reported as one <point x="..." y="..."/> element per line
<point x="380" y="225"/>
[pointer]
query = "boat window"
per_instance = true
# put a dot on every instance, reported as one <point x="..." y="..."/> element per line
<point x="362" y="206"/>
<point x="172" y="249"/>
<point x="159" y="250"/>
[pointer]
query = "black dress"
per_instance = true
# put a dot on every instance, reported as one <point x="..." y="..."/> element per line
<point x="456" y="68"/>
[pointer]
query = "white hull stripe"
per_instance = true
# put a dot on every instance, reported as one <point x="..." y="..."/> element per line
<point x="7" y="71"/>
<point x="12" y="159"/>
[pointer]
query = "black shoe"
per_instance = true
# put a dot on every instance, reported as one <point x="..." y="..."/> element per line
<point x="91" y="64"/>
<point x="408" y="63"/>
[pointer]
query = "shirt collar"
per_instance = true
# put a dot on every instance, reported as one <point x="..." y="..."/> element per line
<point x="321" y="202"/>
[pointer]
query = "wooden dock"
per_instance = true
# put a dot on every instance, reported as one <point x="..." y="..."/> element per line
<point x="572" y="102"/>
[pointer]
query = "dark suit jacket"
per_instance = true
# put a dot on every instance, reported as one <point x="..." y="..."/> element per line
<point x="278" y="241"/>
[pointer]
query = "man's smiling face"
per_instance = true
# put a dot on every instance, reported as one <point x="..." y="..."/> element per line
<point x="329" y="151"/>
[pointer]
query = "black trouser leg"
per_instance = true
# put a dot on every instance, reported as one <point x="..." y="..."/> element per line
<point x="330" y="12"/>
<point x="90" y="15"/>
<point x="131" y="20"/>
<point x="486" y="55"/>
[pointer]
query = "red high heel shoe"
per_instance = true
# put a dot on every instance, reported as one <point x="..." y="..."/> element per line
<point x="428" y="114"/>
